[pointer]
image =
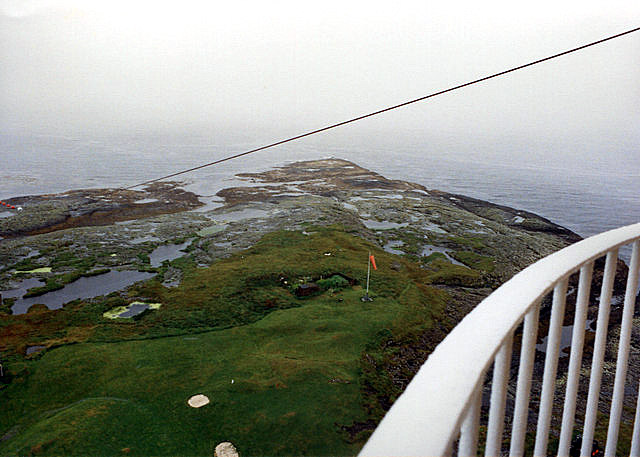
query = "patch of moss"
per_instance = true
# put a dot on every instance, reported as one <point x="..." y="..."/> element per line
<point x="144" y="258"/>
<point x="471" y="242"/>
<point x="100" y="271"/>
<point x="50" y="285"/>
<point x="334" y="282"/>
<point x="433" y="256"/>
<point x="413" y="242"/>
<point x="443" y="272"/>
<point x="26" y="264"/>
<point x="70" y="259"/>
<point x="477" y="261"/>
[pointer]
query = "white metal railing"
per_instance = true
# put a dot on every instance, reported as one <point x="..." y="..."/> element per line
<point x="443" y="401"/>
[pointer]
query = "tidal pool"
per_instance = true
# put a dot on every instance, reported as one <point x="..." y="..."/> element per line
<point x="82" y="288"/>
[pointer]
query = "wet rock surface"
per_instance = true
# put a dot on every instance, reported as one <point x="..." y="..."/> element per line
<point x="79" y="208"/>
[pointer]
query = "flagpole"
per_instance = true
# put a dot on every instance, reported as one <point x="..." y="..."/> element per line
<point x="368" y="273"/>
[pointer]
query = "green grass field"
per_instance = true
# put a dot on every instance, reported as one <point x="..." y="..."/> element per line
<point x="122" y="388"/>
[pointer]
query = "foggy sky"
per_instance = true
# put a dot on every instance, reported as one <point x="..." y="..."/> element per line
<point x="282" y="68"/>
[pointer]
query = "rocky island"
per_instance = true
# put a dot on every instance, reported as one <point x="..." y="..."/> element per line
<point x="118" y="306"/>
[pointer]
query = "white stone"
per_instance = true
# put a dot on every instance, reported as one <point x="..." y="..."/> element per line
<point x="198" y="401"/>
<point x="226" y="449"/>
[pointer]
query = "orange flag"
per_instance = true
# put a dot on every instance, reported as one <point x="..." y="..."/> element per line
<point x="373" y="262"/>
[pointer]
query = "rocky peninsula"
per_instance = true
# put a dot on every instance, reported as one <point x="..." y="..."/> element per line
<point x="217" y="277"/>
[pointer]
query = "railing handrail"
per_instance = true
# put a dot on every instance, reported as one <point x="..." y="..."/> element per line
<point x="425" y="418"/>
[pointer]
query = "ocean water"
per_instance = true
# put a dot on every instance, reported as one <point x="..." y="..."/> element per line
<point x="588" y="186"/>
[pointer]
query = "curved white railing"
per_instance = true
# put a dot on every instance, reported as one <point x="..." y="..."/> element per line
<point x="442" y="402"/>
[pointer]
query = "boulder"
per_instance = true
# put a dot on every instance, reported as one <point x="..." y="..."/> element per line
<point x="226" y="449"/>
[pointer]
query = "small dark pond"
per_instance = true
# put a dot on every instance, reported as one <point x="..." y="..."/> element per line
<point x="22" y="288"/>
<point x="90" y="287"/>
<point x="134" y="310"/>
<point x="32" y="349"/>
<point x="167" y="252"/>
<point x="430" y="249"/>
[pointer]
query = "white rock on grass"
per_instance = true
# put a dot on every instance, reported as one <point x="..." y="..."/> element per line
<point x="226" y="449"/>
<point x="198" y="401"/>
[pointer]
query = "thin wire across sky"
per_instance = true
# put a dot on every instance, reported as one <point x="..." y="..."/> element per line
<point x="384" y="110"/>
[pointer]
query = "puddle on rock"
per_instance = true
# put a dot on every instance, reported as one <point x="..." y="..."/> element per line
<point x="389" y="247"/>
<point x="435" y="228"/>
<point x="382" y="225"/>
<point x="32" y="253"/>
<point x="430" y="249"/>
<point x="32" y="349"/>
<point x="167" y="252"/>
<point x="235" y="216"/>
<point x="85" y="287"/>
<point x="209" y="205"/>
<point x="144" y="239"/>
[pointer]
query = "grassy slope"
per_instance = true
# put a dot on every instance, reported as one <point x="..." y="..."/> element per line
<point x="295" y="363"/>
<point x="281" y="366"/>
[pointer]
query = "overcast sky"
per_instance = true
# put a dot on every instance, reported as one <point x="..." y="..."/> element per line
<point x="282" y="67"/>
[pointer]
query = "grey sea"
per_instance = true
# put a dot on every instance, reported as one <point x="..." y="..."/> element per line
<point x="588" y="186"/>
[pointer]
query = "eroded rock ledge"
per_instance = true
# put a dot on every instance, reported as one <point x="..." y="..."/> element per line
<point x="92" y="207"/>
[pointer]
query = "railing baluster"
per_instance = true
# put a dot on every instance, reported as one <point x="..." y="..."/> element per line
<point x="501" y="368"/>
<point x="523" y="392"/>
<point x="599" y="347"/>
<point x="575" y="360"/>
<point x="468" y="445"/>
<point x="550" y="368"/>
<point x="623" y="352"/>
<point x="635" y="440"/>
